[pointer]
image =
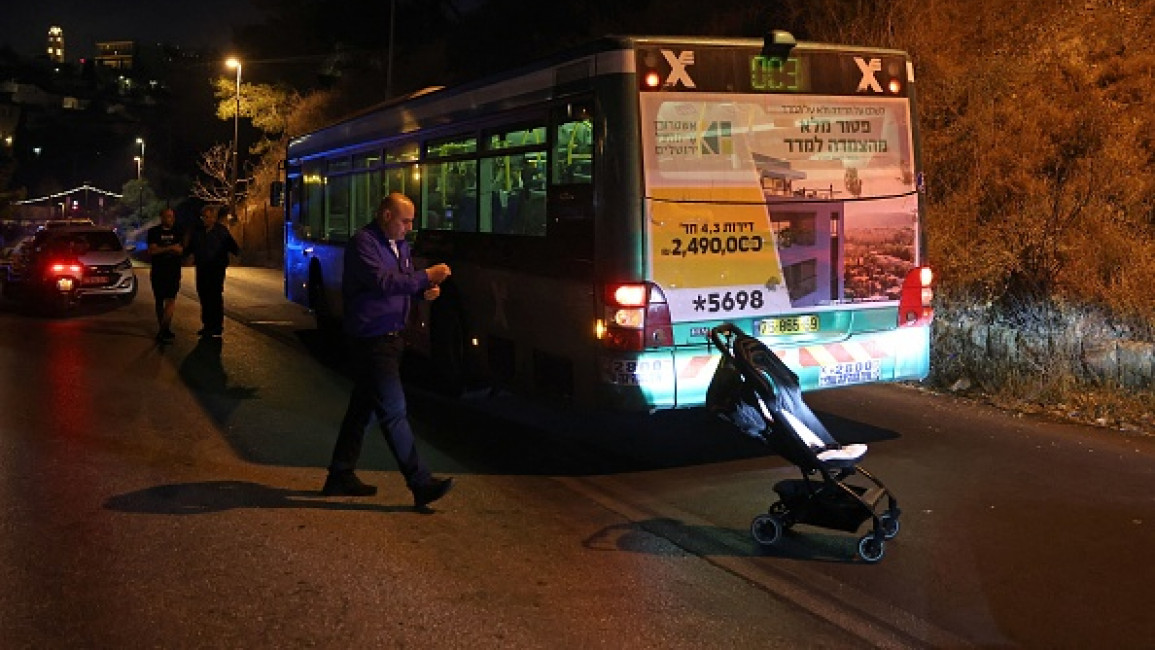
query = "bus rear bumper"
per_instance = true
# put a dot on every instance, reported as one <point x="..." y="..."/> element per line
<point x="679" y="377"/>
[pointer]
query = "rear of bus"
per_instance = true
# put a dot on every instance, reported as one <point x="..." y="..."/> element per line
<point x="781" y="192"/>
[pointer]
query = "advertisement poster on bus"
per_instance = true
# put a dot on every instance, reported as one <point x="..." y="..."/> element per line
<point x="760" y="204"/>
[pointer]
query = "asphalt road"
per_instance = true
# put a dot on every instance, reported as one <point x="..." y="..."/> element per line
<point x="161" y="497"/>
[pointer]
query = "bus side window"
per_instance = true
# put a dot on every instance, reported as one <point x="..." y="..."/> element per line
<point x="433" y="190"/>
<point x="313" y="204"/>
<point x="337" y="208"/>
<point x="464" y="185"/>
<point x="571" y="180"/>
<point x="573" y="147"/>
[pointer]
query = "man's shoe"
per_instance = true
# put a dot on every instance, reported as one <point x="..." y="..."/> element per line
<point x="346" y="484"/>
<point x="423" y="495"/>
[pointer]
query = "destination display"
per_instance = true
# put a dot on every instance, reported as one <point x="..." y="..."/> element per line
<point x="716" y="69"/>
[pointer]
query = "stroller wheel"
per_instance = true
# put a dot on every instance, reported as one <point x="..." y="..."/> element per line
<point x="783" y="514"/>
<point x="870" y="548"/>
<point x="888" y="524"/>
<point x="766" y="529"/>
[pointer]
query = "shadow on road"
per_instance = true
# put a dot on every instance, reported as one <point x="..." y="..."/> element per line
<point x="670" y="537"/>
<point x="507" y="435"/>
<point x="216" y="496"/>
<point x="92" y="306"/>
<point x="493" y="432"/>
<point x="204" y="374"/>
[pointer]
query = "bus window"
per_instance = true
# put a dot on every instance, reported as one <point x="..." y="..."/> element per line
<point x="313" y="205"/>
<point x="513" y="182"/>
<point x="449" y="188"/>
<point x="366" y="196"/>
<point x="571" y="184"/>
<point x="463" y="183"/>
<point x="450" y="193"/>
<point x="513" y="194"/>
<point x="337" y="208"/>
<point x="573" y="146"/>
<point x="293" y="193"/>
<point x="407" y="180"/>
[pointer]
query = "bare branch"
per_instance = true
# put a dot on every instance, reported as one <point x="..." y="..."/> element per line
<point x="215" y="181"/>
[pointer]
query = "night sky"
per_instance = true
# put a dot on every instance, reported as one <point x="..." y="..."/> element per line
<point x="191" y="24"/>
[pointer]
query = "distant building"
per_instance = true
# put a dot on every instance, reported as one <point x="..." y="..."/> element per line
<point x="9" y="120"/>
<point x="117" y="55"/>
<point x="56" y="44"/>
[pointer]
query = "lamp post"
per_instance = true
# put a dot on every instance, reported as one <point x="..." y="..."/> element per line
<point x="140" y="141"/>
<point x="139" y="188"/>
<point x="235" y="63"/>
<point x="140" y="178"/>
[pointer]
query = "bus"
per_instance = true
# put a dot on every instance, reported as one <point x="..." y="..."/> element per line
<point x="602" y="209"/>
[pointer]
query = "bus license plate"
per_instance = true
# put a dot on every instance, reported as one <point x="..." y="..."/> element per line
<point x="788" y="325"/>
<point x="854" y="372"/>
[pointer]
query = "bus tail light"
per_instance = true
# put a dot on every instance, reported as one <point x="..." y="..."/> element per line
<point x="915" y="307"/>
<point x="636" y="317"/>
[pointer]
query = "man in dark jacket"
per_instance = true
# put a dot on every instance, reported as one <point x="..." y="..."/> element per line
<point x="210" y="245"/>
<point x="380" y="283"/>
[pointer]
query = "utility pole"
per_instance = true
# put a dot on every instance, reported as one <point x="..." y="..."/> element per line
<point x="235" y="63"/>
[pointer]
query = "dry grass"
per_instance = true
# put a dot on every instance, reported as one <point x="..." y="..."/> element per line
<point x="1129" y="412"/>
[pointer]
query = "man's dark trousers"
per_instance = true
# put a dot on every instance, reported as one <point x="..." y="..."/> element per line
<point x="377" y="390"/>
<point x="211" y="292"/>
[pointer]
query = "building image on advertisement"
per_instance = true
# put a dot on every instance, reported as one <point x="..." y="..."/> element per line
<point x="807" y="226"/>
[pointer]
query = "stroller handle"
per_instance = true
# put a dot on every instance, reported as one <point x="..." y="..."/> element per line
<point x="716" y="333"/>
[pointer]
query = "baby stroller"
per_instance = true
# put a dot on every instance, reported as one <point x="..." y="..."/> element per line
<point x="754" y="390"/>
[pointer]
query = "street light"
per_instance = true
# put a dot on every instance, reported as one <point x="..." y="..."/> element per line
<point x="140" y="141"/>
<point x="235" y="63"/>
<point x="139" y="188"/>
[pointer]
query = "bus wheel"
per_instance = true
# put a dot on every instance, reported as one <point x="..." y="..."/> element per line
<point x="319" y="303"/>
<point x="447" y="336"/>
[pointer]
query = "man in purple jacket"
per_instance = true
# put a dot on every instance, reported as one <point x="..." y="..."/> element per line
<point x="378" y="286"/>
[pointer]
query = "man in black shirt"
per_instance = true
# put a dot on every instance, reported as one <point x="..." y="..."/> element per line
<point x="210" y="246"/>
<point x="165" y="244"/>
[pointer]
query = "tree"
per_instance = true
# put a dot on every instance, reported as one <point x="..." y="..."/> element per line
<point x="215" y="182"/>
<point x="276" y="111"/>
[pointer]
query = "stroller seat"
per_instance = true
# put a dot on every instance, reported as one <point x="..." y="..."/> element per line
<point x="760" y="395"/>
<point x="832" y="455"/>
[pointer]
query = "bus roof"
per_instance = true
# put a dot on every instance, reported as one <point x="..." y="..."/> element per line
<point x="590" y="59"/>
